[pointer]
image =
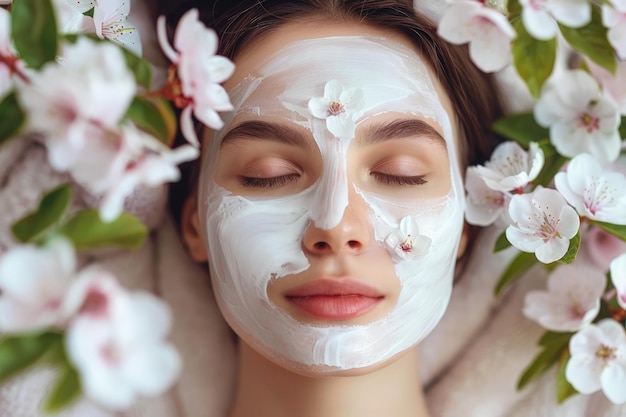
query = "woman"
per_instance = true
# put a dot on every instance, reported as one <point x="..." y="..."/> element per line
<point x="332" y="200"/>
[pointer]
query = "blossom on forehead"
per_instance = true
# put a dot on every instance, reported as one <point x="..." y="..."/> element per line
<point x="339" y="107"/>
<point x="406" y="242"/>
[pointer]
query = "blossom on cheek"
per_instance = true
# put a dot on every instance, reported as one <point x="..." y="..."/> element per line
<point x="597" y="194"/>
<point x="543" y="224"/>
<point x="571" y="302"/>
<point x="339" y="107"/>
<point x="598" y="360"/>
<point x="406" y="242"/>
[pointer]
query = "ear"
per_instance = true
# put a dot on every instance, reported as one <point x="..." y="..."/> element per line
<point x="463" y="241"/>
<point x="191" y="230"/>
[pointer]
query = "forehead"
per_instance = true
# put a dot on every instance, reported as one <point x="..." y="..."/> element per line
<point x="391" y="77"/>
<point x="381" y="57"/>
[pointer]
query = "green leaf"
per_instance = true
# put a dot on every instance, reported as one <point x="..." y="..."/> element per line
<point x="572" y="250"/>
<point x="87" y="231"/>
<point x="551" y="166"/>
<point x="19" y="352"/>
<point x="514" y="7"/>
<point x="592" y="41"/>
<point x="89" y="13"/>
<point x="533" y="58"/>
<point x="542" y="362"/>
<point x="622" y="129"/>
<point x="141" y="68"/>
<point x="34" y="31"/>
<point x="614" y="229"/>
<point x="521" y="127"/>
<point x="65" y="391"/>
<point x="502" y="243"/>
<point x="564" y="389"/>
<point x="520" y="264"/>
<point x="147" y="116"/>
<point x="51" y="209"/>
<point x="11" y="117"/>
<point x="555" y="338"/>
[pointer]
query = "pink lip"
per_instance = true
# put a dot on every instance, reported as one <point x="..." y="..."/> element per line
<point x="335" y="299"/>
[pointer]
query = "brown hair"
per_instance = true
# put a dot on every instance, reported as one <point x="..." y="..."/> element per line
<point x="473" y="94"/>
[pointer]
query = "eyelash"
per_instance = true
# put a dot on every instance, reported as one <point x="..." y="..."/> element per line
<point x="398" y="180"/>
<point x="271" y="182"/>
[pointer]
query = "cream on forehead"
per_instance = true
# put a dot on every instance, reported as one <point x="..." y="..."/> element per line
<point x="356" y="61"/>
<point x="255" y="240"/>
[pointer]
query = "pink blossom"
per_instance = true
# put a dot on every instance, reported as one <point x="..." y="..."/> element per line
<point x="618" y="277"/>
<point x="614" y="85"/>
<point x="543" y="224"/>
<point x="540" y="16"/>
<point x="117" y="341"/>
<point x="598" y="360"/>
<point x="571" y="302"/>
<point x="602" y="247"/>
<point x="487" y="30"/>
<point x="200" y="73"/>
<point x="614" y="17"/>
<point x="484" y="204"/>
<point x="110" y="20"/>
<point x="33" y="284"/>
<point x="90" y="91"/>
<point x="581" y="118"/>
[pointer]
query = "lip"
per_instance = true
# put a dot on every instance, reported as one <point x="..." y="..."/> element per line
<point x="335" y="299"/>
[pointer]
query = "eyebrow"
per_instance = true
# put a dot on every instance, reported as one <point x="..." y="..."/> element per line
<point x="259" y="130"/>
<point x="402" y="128"/>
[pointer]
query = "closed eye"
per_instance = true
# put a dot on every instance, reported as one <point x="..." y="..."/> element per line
<point x="399" y="180"/>
<point x="269" y="182"/>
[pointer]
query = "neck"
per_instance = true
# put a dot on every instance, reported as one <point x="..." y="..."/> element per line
<point x="268" y="390"/>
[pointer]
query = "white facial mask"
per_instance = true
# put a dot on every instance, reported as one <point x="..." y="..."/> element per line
<point x="253" y="240"/>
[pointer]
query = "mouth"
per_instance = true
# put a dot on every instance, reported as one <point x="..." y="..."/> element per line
<point x="335" y="299"/>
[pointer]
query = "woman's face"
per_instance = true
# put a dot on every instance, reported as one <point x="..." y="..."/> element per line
<point x="332" y="201"/>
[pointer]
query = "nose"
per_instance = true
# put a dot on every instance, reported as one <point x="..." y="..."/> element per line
<point x="351" y="236"/>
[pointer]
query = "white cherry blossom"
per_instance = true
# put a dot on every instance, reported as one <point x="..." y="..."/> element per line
<point x="200" y="73"/>
<point x="511" y="168"/>
<point x="598" y="360"/>
<point x="581" y="119"/>
<point x="339" y="107"/>
<point x="33" y="284"/>
<point x="484" y="205"/>
<point x="487" y="30"/>
<point x="614" y="17"/>
<point x="618" y="277"/>
<point x="154" y="165"/>
<point x="110" y="19"/>
<point x="543" y="224"/>
<point x="540" y="17"/>
<point x="406" y="242"/>
<point x="117" y="341"/>
<point x="70" y="17"/>
<point x="90" y="90"/>
<point x="594" y="193"/>
<point x="571" y="302"/>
